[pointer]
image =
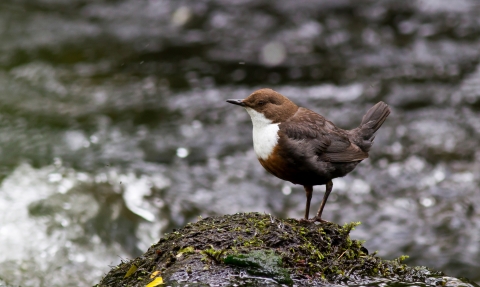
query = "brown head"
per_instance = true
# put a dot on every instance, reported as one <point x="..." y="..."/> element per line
<point x="272" y="105"/>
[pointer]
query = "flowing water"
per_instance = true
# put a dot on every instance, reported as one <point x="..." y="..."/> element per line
<point x="114" y="127"/>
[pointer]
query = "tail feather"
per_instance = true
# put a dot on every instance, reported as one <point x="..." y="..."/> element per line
<point x="371" y="122"/>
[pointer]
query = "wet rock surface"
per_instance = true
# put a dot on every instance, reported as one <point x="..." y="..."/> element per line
<point x="114" y="129"/>
<point x="260" y="250"/>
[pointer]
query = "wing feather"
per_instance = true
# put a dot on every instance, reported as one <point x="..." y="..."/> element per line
<point x="328" y="142"/>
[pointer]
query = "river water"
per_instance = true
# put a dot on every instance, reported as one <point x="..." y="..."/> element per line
<point x="114" y="127"/>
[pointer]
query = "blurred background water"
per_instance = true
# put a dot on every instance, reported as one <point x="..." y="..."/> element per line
<point x="114" y="127"/>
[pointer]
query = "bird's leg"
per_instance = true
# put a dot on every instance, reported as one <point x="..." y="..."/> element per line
<point x="328" y="189"/>
<point x="308" y="192"/>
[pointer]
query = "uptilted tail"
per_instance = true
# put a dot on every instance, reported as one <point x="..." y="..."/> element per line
<point x="371" y="122"/>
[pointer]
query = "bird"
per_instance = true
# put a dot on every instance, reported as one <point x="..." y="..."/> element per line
<point x="301" y="146"/>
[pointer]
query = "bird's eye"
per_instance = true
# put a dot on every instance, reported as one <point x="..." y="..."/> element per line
<point x="261" y="103"/>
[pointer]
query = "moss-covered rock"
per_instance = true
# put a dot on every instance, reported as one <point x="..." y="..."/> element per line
<point x="257" y="249"/>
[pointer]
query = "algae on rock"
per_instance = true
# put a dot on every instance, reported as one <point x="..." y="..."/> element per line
<point x="261" y="263"/>
<point x="253" y="248"/>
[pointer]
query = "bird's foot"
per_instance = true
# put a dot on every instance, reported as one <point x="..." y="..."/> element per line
<point x="314" y="219"/>
<point x="319" y="219"/>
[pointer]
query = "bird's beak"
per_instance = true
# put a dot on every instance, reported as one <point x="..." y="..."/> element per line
<point x="237" y="102"/>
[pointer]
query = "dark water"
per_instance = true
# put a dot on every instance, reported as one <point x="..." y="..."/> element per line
<point x="114" y="127"/>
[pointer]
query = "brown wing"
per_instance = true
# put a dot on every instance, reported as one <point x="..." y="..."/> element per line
<point x="328" y="142"/>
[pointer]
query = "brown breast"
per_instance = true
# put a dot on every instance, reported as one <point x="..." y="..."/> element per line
<point x="274" y="164"/>
<point x="277" y="165"/>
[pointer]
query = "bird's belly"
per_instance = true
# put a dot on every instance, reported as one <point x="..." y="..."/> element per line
<point x="288" y="170"/>
<point x="278" y="166"/>
<point x="302" y="172"/>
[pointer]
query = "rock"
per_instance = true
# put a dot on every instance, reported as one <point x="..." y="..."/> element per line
<point x="258" y="249"/>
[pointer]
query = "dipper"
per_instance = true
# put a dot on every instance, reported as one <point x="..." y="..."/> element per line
<point x="301" y="146"/>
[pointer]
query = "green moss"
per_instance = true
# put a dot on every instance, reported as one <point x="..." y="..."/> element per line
<point x="213" y="254"/>
<point x="186" y="250"/>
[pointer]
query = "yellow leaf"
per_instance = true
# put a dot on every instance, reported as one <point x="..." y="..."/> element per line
<point x="157" y="281"/>
<point x="154" y="274"/>
<point x="130" y="271"/>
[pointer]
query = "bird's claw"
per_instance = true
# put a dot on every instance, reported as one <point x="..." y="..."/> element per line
<point x="314" y="219"/>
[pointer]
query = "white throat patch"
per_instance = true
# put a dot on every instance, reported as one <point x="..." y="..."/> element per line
<point x="265" y="134"/>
